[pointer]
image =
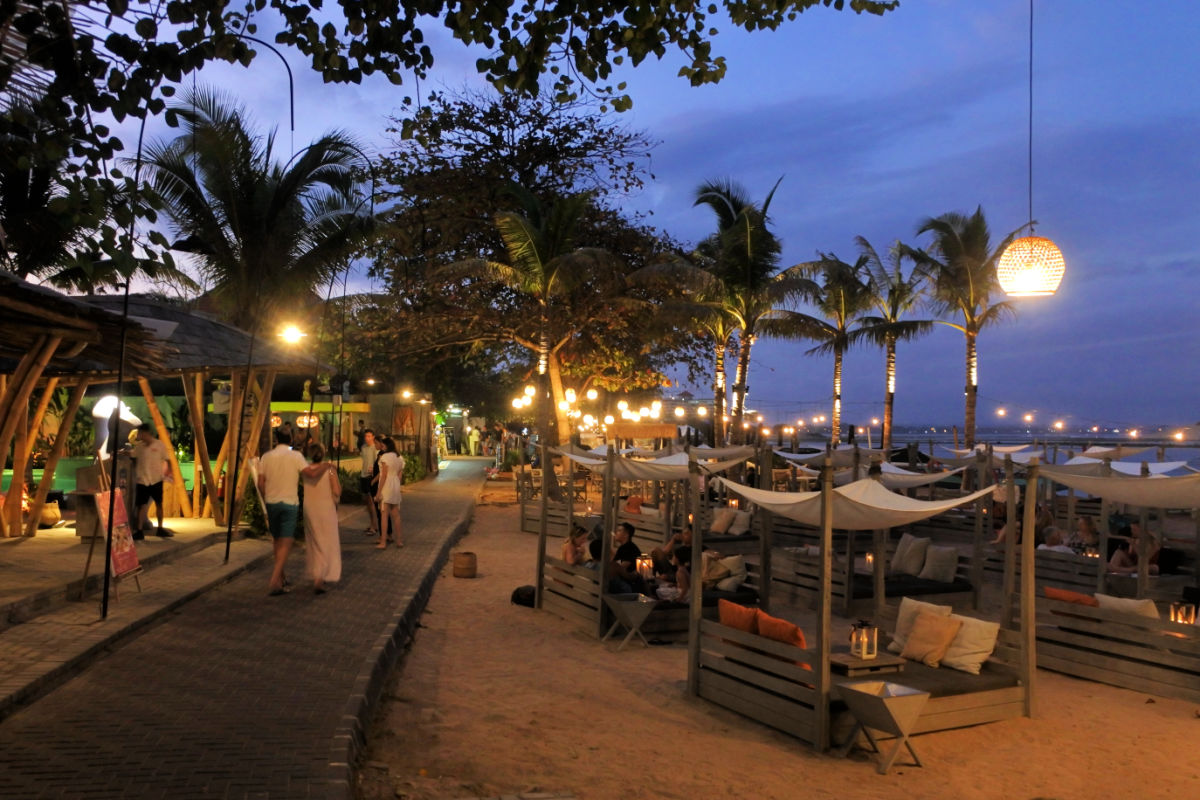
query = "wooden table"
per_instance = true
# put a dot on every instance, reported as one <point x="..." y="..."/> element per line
<point x="631" y="611"/>
<point x="887" y="707"/>
<point x="843" y="663"/>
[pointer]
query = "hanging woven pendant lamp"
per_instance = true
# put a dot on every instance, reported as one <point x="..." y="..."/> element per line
<point x="1032" y="265"/>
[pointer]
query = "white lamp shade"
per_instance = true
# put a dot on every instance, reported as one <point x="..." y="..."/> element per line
<point x="1031" y="266"/>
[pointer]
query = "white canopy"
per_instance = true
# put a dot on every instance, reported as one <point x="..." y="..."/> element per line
<point x="979" y="448"/>
<point x="1153" y="492"/>
<point x="841" y="456"/>
<point x="862" y="505"/>
<point x="667" y="468"/>
<point x="1080" y="465"/>
<point x="1114" y="452"/>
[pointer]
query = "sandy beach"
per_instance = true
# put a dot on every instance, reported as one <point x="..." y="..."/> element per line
<point x="496" y="699"/>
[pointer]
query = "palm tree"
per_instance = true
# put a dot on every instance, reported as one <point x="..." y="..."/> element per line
<point x="961" y="267"/>
<point x="567" y="285"/>
<point x="894" y="295"/>
<point x="843" y="295"/>
<point x="745" y="257"/>
<point x="264" y="233"/>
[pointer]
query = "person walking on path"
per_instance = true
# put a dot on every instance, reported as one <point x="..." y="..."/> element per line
<point x="278" y="479"/>
<point x="151" y="462"/>
<point x="369" y="453"/>
<point x="391" y="479"/>
<point x="323" y="548"/>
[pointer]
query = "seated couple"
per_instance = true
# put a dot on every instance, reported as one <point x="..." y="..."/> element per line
<point x="1125" y="558"/>
<point x="623" y="577"/>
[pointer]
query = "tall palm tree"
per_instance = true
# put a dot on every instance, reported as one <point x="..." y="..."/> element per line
<point x="960" y="265"/>
<point x="842" y="297"/>
<point x="745" y="257"/>
<point x="894" y="295"/>
<point x="264" y="233"/>
<point x="566" y="285"/>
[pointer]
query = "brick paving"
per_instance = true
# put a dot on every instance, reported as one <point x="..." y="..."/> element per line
<point x="236" y="694"/>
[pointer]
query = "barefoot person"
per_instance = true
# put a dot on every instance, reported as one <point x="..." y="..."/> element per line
<point x="323" y="549"/>
<point x="391" y="479"/>
<point x="151" y="462"/>
<point x="278" y="479"/>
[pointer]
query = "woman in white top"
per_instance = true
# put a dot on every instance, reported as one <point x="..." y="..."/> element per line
<point x="323" y="550"/>
<point x="391" y="478"/>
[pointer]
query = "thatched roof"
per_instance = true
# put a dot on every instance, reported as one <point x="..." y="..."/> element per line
<point x="91" y="335"/>
<point x="199" y="341"/>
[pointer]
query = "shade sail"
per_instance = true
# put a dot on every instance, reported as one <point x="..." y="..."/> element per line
<point x="1095" y="467"/>
<point x="1114" y="452"/>
<point x="843" y="456"/>
<point x="860" y="506"/>
<point x="667" y="468"/>
<point x="1153" y="492"/>
<point x="979" y="448"/>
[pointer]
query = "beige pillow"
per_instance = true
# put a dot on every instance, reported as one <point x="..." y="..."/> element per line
<point x="740" y="524"/>
<point x="931" y="635"/>
<point x="907" y="615"/>
<point x="972" y="645"/>
<point x="1128" y="605"/>
<point x="910" y="555"/>
<point x="652" y="511"/>
<point x="940" y="564"/>
<point x="737" y="573"/>
<point x="722" y="519"/>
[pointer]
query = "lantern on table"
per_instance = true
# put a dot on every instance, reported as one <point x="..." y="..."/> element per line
<point x="864" y="640"/>
<point x="645" y="567"/>
<point x="1184" y="613"/>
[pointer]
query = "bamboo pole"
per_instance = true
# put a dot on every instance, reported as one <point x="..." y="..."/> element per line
<point x="56" y="451"/>
<point x="237" y="397"/>
<point x="13" y="411"/>
<point x="250" y="446"/>
<point x="16" y="487"/>
<point x="160" y="427"/>
<point x="39" y="415"/>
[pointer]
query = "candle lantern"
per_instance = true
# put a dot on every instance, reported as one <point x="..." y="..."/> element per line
<point x="1184" y="613"/>
<point x="864" y="640"/>
<point x="733" y="502"/>
<point x="870" y="560"/>
<point x="645" y="567"/>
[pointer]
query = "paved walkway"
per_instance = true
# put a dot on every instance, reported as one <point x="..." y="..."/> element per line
<point x="234" y="694"/>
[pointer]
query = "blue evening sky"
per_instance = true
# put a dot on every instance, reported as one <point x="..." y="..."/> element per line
<point x="875" y="123"/>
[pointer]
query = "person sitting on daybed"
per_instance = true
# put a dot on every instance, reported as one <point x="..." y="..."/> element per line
<point x="623" y="577"/>
<point x="676" y="589"/>
<point x="664" y="565"/>
<point x="1125" y="560"/>
<point x="1085" y="535"/>
<point x="575" y="548"/>
<point x="1055" y="540"/>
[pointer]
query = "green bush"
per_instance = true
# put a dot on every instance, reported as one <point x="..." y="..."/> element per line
<point x="349" y="480"/>
<point x="414" y="470"/>
<point x="254" y="517"/>
<point x="511" y="459"/>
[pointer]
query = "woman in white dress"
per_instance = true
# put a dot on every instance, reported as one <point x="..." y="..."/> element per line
<point x="323" y="549"/>
<point x="391" y="479"/>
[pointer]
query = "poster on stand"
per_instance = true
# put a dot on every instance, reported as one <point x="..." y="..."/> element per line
<point x="124" y="554"/>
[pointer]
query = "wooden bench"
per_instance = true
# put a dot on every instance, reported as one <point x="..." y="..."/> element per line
<point x="1143" y="654"/>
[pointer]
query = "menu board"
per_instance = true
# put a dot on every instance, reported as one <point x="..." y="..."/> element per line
<point x="124" y="554"/>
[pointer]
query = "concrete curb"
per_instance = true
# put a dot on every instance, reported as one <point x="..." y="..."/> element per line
<point x="350" y="738"/>
<point x="72" y="666"/>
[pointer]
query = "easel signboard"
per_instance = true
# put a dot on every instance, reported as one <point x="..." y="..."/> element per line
<point x="124" y="555"/>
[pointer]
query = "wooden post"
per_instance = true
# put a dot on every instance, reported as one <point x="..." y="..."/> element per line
<point x="1028" y="594"/>
<point x="16" y="487"/>
<point x="1102" y="571"/>
<point x="1010" y="539"/>
<point x="35" y="423"/>
<point x="611" y="497"/>
<point x="878" y="578"/>
<point x="56" y="451"/>
<point x="1143" y="553"/>
<point x="696" y="593"/>
<point x="543" y="523"/>
<point x="160" y="427"/>
<point x="982" y="460"/>
<point x="824" y="597"/>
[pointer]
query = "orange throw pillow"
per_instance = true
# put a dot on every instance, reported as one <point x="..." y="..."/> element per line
<point x="737" y="617"/>
<point x="1068" y="596"/>
<point x="780" y="630"/>
<point x="634" y="504"/>
<point x="930" y="637"/>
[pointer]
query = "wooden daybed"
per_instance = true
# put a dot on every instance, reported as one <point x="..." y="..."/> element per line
<point x="793" y="689"/>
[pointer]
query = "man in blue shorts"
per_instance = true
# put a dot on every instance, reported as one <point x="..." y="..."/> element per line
<point x="278" y="480"/>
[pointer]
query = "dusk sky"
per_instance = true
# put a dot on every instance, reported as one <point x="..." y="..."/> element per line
<point x="877" y="122"/>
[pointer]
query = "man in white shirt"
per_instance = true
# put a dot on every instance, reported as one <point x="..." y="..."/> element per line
<point x="370" y="454"/>
<point x="151" y="462"/>
<point x="279" y="481"/>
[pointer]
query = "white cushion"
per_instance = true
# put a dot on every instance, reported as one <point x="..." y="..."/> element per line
<point x="972" y="645"/>
<point x="740" y="524"/>
<point x="722" y="519"/>
<point x="652" y="511"/>
<point x="737" y="573"/>
<point x="1129" y="605"/>
<point x="940" y="563"/>
<point x="910" y="555"/>
<point x="909" y="609"/>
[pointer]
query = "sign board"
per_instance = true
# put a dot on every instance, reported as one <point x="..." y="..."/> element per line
<point x="124" y="554"/>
